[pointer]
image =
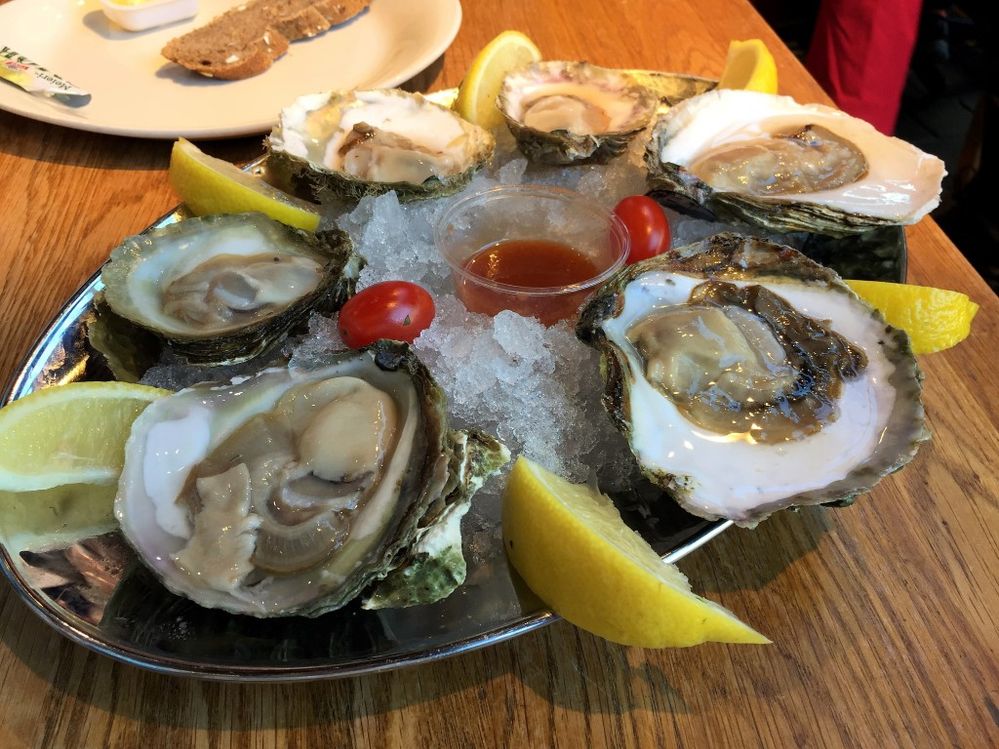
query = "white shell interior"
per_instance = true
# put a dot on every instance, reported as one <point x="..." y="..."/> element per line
<point x="746" y="474"/>
<point x="314" y="127"/>
<point x="184" y="252"/>
<point x="600" y="87"/>
<point x="619" y="110"/>
<point x="902" y="183"/>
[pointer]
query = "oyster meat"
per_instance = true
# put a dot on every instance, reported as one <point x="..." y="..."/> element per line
<point x="293" y="491"/>
<point x="748" y="378"/>
<point x="222" y="289"/>
<point x="765" y="160"/>
<point x="573" y="112"/>
<point x="345" y="145"/>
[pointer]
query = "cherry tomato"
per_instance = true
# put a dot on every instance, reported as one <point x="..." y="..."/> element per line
<point x="647" y="226"/>
<point x="399" y="310"/>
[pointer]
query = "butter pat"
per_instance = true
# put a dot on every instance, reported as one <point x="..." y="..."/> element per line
<point x="138" y="15"/>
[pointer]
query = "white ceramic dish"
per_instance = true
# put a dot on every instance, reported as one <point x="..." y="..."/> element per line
<point x="138" y="92"/>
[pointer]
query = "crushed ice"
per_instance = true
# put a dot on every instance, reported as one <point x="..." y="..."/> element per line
<point x="538" y="389"/>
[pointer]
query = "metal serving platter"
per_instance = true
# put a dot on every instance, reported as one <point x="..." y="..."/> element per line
<point x="90" y="587"/>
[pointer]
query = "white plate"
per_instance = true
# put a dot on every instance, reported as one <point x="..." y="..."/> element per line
<point x="138" y="92"/>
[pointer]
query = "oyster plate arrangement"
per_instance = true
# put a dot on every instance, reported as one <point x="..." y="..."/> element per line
<point x="93" y="591"/>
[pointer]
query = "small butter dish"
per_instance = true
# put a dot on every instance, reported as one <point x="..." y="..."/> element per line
<point x="139" y="15"/>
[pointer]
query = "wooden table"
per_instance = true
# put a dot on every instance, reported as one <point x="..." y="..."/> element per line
<point x="883" y="616"/>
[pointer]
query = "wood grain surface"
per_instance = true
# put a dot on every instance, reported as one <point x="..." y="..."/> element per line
<point x="883" y="615"/>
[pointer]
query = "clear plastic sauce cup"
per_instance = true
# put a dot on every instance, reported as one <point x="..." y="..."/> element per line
<point x="514" y="221"/>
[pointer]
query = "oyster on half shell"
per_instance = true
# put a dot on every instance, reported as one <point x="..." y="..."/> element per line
<point x="573" y="112"/>
<point x="343" y="145"/>
<point x="765" y="160"/>
<point x="748" y="378"/>
<point x="293" y="491"/>
<point x="221" y="289"/>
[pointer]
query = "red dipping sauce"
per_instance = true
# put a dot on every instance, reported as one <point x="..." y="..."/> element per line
<point x="539" y="251"/>
<point x="523" y="266"/>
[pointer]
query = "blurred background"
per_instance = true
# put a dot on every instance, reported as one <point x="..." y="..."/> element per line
<point x="946" y="97"/>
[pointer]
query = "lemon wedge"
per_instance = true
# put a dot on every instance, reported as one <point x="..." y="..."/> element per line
<point x="572" y="548"/>
<point x="935" y="319"/>
<point x="209" y="185"/>
<point x="63" y="513"/>
<point x="69" y="434"/>
<point x="749" y="66"/>
<point x="477" y="94"/>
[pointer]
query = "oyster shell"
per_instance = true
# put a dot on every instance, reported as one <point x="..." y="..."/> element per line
<point x="292" y="491"/>
<point x="345" y="145"/>
<point x="222" y="289"/>
<point x="765" y="160"/>
<point x="573" y="112"/>
<point x="748" y="378"/>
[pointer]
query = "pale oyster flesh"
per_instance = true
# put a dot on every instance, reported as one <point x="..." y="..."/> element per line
<point x="292" y="491"/>
<point x="726" y="360"/>
<point x="222" y="289"/>
<point x="344" y="145"/>
<point x="748" y="378"/>
<point x="573" y="112"/>
<point x="798" y="160"/>
<point x="226" y="290"/>
<point x="766" y="160"/>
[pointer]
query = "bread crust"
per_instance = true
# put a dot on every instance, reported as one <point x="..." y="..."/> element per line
<point x="246" y="40"/>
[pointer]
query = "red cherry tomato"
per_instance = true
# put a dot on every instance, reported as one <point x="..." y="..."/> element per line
<point x="647" y="226"/>
<point x="399" y="310"/>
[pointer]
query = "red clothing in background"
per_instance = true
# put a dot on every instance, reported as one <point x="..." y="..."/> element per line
<point x="860" y="54"/>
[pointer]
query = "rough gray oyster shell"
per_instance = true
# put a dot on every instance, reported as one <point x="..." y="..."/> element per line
<point x="748" y="378"/>
<point x="222" y="289"/>
<point x="763" y="160"/>
<point x="343" y="145"/>
<point x="277" y="494"/>
<point x="573" y="112"/>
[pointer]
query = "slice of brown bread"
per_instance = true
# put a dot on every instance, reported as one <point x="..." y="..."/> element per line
<point x="246" y="40"/>
<point x="299" y="19"/>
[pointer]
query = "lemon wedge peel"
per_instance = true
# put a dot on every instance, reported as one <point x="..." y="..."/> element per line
<point x="49" y="518"/>
<point x="934" y="319"/>
<point x="69" y="434"/>
<point x="749" y="66"/>
<point x="476" y="101"/>
<point x="574" y="551"/>
<point x="208" y="185"/>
